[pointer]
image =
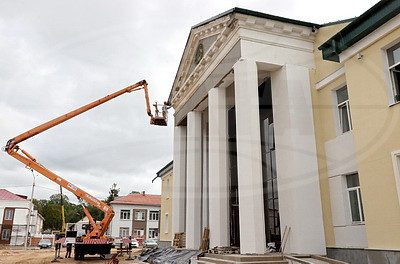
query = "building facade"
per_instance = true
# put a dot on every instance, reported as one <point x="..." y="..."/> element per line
<point x="166" y="235"/>
<point x="273" y="134"/>
<point x="136" y="215"/>
<point x="14" y="216"/>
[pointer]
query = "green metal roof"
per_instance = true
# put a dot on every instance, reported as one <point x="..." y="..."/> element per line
<point x="369" y="21"/>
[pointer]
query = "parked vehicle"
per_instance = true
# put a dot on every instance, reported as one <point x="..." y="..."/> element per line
<point x="134" y="243"/>
<point x="44" y="243"/>
<point x="150" y="243"/>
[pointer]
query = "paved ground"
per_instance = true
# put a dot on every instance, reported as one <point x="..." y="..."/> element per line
<point x="14" y="255"/>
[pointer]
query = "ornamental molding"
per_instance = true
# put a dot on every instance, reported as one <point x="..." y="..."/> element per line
<point x="227" y="29"/>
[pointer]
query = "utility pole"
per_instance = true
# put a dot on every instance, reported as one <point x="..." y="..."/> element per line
<point x="28" y="224"/>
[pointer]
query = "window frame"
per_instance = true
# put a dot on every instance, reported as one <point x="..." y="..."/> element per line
<point x="137" y="214"/>
<point x="152" y="214"/>
<point x="339" y="111"/>
<point x="395" y="89"/>
<point x="390" y="88"/>
<point x="125" y="214"/>
<point x="396" y="169"/>
<point x="123" y="230"/>
<point x="8" y="214"/>
<point x="153" y="232"/>
<point x="138" y="232"/>
<point x="360" y="207"/>
<point x="3" y="232"/>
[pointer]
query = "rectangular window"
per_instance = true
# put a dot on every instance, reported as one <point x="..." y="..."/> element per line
<point x="8" y="214"/>
<point x="124" y="232"/>
<point x="125" y="215"/>
<point x="343" y="109"/>
<point x="153" y="232"/>
<point x="5" y="234"/>
<point x="393" y="54"/>
<point x="138" y="232"/>
<point x="139" y="216"/>
<point x="354" y="191"/>
<point x="166" y="224"/>
<point x="153" y="216"/>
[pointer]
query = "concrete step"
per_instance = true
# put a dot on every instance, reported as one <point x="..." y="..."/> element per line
<point x="246" y="258"/>
<point x="232" y="262"/>
<point x="241" y="259"/>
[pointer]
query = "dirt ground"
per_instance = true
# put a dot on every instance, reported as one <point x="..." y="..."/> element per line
<point x="11" y="255"/>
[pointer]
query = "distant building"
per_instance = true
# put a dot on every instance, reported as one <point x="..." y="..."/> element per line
<point x="136" y="215"/>
<point x="14" y="210"/>
<point x="80" y="227"/>
<point x="166" y="175"/>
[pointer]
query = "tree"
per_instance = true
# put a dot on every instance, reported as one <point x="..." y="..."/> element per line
<point x="113" y="193"/>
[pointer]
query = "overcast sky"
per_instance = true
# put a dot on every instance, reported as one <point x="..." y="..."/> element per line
<point x="57" y="55"/>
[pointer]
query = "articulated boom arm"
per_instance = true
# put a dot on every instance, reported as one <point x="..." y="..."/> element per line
<point x="13" y="150"/>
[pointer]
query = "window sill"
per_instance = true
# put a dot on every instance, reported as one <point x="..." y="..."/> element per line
<point x="395" y="103"/>
<point x="357" y="223"/>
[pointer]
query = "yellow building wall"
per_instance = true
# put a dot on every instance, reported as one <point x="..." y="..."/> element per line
<point x="166" y="207"/>
<point x="376" y="129"/>
<point x="324" y="124"/>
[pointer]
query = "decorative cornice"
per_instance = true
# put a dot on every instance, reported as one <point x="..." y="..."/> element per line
<point x="225" y="28"/>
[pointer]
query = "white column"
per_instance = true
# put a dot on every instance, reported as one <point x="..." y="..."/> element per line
<point x="251" y="213"/>
<point x="205" y="180"/>
<point x="179" y="181"/>
<point x="193" y="180"/>
<point x="296" y="161"/>
<point x="218" y="167"/>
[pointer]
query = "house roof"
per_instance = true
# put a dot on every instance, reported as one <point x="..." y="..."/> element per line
<point x="7" y="195"/>
<point x="139" y="199"/>
<point x="362" y="26"/>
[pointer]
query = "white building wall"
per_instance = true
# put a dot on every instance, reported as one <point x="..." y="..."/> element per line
<point x="116" y="223"/>
<point x="20" y="220"/>
<point x="341" y="161"/>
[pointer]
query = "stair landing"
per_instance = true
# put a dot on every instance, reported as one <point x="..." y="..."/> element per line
<point x="272" y="258"/>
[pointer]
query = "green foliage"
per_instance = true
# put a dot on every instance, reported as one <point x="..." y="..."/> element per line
<point x="113" y="193"/>
<point x="135" y="192"/>
<point x="51" y="209"/>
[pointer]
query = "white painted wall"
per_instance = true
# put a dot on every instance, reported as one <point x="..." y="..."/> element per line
<point x="116" y="223"/>
<point x="341" y="161"/>
<point x="21" y="219"/>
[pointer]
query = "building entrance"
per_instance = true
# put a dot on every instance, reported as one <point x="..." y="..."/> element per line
<point x="270" y="187"/>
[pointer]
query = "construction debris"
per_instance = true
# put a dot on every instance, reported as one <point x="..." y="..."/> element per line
<point x="205" y="241"/>
<point x="169" y="255"/>
<point x="225" y="250"/>
<point x="179" y="240"/>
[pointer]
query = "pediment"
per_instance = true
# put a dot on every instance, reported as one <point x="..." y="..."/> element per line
<point x="203" y="42"/>
<point x="207" y="42"/>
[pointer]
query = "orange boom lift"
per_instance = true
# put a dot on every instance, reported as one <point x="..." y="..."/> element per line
<point x="98" y="230"/>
